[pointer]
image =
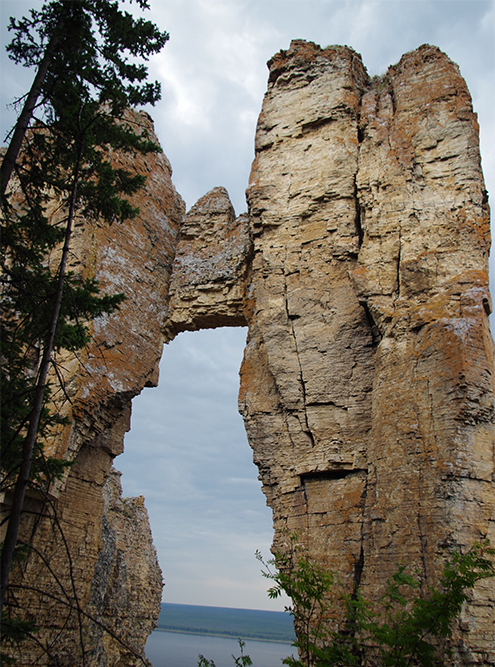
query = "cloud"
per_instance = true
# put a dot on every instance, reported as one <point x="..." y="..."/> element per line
<point x="187" y="453"/>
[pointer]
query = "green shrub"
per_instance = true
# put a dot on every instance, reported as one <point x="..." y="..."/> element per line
<point x="403" y="628"/>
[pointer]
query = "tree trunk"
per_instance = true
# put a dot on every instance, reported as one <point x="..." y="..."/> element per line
<point x="34" y="419"/>
<point x="24" y="119"/>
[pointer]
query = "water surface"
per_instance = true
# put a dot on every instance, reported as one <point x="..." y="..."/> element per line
<point x="174" y="649"/>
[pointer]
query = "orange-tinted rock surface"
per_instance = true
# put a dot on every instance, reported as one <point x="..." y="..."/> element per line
<point x="367" y="385"/>
<point x="367" y="381"/>
<point x="96" y="537"/>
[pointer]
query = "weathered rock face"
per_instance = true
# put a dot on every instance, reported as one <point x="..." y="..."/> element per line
<point x="367" y="386"/>
<point x="106" y="569"/>
<point x="210" y="267"/>
<point x="367" y="382"/>
<point x="422" y="272"/>
<point x="127" y="582"/>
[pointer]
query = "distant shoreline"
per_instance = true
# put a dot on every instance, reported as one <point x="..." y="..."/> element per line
<point x="248" y="624"/>
<point x="224" y="636"/>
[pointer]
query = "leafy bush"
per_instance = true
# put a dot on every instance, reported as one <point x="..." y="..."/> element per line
<point x="240" y="661"/>
<point x="403" y="628"/>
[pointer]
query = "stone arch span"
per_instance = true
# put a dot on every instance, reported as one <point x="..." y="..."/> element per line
<point x="367" y="386"/>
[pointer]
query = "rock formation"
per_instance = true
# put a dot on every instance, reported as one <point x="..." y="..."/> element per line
<point x="210" y="267"/>
<point x="126" y="587"/>
<point x="372" y="420"/>
<point x="101" y="564"/>
<point x="367" y="385"/>
<point x="367" y="381"/>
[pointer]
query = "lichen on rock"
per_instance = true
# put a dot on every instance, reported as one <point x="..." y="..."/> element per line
<point x="367" y="385"/>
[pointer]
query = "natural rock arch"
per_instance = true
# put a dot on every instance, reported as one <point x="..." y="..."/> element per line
<point x="361" y="270"/>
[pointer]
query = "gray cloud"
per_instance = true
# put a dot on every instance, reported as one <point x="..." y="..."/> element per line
<point x="187" y="453"/>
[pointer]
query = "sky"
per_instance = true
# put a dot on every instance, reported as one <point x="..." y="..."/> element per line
<point x="187" y="452"/>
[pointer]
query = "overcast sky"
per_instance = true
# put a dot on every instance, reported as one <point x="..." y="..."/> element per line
<point x="187" y="452"/>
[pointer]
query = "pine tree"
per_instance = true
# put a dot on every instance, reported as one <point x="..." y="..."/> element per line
<point x="90" y="39"/>
<point x="88" y="76"/>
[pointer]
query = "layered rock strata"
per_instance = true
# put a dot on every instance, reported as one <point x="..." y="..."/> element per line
<point x="210" y="267"/>
<point x="367" y="385"/>
<point x="94" y="584"/>
<point x="126" y="587"/>
<point x="367" y="381"/>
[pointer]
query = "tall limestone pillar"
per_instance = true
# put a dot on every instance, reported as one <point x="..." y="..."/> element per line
<point x="367" y="383"/>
